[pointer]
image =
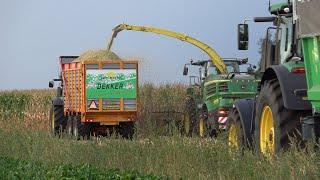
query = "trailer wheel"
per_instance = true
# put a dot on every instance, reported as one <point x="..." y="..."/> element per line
<point x="236" y="136"/>
<point x="56" y="119"/>
<point x="76" y="126"/>
<point x="274" y="124"/>
<point x="69" y="125"/>
<point x="127" y="130"/>
<point x="81" y="130"/>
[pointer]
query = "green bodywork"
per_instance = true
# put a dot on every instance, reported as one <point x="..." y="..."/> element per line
<point x="275" y="8"/>
<point x="220" y="91"/>
<point x="311" y="53"/>
<point x="311" y="60"/>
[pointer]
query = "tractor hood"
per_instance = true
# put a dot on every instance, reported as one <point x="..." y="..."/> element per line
<point x="227" y="77"/>
<point x="233" y="88"/>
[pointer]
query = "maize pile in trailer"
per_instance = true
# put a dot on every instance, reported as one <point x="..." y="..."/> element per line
<point x="97" y="55"/>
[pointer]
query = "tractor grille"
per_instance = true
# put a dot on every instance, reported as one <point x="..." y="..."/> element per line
<point x="223" y="87"/>
<point x="211" y="89"/>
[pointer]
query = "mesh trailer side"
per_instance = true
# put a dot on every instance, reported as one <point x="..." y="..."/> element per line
<point x="72" y="79"/>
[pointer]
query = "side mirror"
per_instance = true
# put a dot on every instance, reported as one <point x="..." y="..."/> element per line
<point x="185" y="70"/>
<point x="243" y="36"/>
<point x="51" y="84"/>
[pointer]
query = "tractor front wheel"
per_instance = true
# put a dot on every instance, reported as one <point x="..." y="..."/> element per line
<point x="202" y="124"/>
<point x="57" y="119"/>
<point x="236" y="138"/>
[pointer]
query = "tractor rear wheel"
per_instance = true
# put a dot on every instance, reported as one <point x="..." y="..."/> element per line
<point x="274" y="123"/>
<point x="236" y="138"/>
<point x="57" y="119"/>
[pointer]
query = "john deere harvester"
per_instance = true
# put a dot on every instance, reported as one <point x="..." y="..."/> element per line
<point x="219" y="85"/>
<point x="288" y="102"/>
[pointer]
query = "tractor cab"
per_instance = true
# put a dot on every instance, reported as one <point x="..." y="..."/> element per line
<point x="208" y="71"/>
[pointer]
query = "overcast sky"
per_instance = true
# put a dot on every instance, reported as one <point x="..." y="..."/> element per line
<point x="34" y="33"/>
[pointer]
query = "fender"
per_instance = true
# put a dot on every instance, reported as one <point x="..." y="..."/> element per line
<point x="245" y="109"/>
<point x="57" y="101"/>
<point x="288" y="83"/>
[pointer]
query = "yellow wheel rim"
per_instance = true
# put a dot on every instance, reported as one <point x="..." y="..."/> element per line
<point x="201" y="128"/>
<point x="233" y="137"/>
<point x="267" y="145"/>
<point x="187" y="123"/>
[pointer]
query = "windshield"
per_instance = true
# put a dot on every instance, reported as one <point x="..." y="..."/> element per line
<point x="231" y="67"/>
<point x="286" y="39"/>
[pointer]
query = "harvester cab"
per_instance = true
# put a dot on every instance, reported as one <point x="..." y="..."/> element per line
<point x="288" y="101"/>
<point x="211" y="93"/>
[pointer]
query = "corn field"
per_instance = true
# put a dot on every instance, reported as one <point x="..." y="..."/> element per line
<point x="159" y="106"/>
<point x="156" y="152"/>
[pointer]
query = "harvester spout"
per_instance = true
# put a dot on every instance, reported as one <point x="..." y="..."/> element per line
<point x="215" y="58"/>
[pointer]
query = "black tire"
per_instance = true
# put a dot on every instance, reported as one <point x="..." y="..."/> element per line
<point x="85" y="130"/>
<point x="286" y="122"/>
<point x="190" y="119"/>
<point x="80" y="130"/>
<point x="57" y="119"/>
<point x="127" y="130"/>
<point x="236" y="137"/>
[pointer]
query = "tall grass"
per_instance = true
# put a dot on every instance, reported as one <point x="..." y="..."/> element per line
<point x="159" y="106"/>
<point x="24" y="136"/>
<point x="175" y="157"/>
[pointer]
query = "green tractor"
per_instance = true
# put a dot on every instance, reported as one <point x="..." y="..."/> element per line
<point x="211" y="95"/>
<point x="288" y="101"/>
